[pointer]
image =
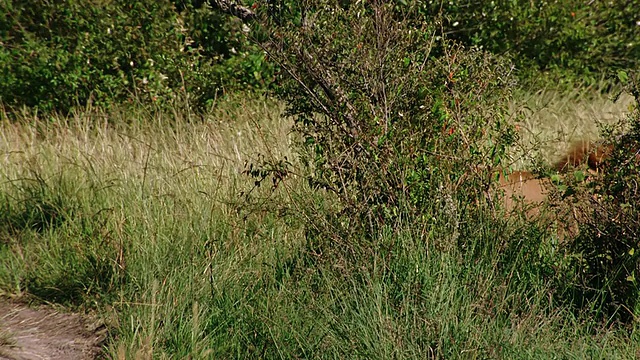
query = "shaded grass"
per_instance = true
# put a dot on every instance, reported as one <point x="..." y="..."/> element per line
<point x="139" y="216"/>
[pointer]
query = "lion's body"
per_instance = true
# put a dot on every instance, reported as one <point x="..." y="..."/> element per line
<point x="526" y="194"/>
<point x="522" y="188"/>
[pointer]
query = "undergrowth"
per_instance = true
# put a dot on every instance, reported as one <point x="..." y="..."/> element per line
<point x="153" y="236"/>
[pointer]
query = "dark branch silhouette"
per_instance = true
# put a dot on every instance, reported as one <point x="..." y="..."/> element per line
<point x="230" y="7"/>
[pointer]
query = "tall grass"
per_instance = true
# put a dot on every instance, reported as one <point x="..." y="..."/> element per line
<point x="139" y="217"/>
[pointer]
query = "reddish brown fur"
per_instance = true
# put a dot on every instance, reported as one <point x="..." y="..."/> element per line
<point x="598" y="156"/>
<point x="526" y="194"/>
<point x="522" y="188"/>
<point x="582" y="152"/>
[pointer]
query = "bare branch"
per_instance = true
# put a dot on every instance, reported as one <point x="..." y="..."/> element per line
<point x="230" y="7"/>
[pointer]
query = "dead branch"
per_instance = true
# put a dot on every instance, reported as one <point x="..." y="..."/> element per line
<point x="227" y="6"/>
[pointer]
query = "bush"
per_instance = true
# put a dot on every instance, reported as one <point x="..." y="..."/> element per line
<point x="59" y="55"/>
<point x="238" y="63"/>
<point x="577" y="40"/>
<point x="606" y="257"/>
<point x="390" y="132"/>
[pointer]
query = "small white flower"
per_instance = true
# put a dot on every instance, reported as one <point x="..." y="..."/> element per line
<point x="233" y="50"/>
<point x="145" y="80"/>
<point x="108" y="31"/>
<point x="245" y="28"/>
<point x="131" y="63"/>
<point x="638" y="23"/>
<point x="456" y="24"/>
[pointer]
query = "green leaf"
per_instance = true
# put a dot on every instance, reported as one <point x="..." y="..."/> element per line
<point x="622" y="76"/>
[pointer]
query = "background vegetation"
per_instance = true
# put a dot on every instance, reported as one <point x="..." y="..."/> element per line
<point x="569" y="41"/>
<point x="318" y="182"/>
<point x="58" y="55"/>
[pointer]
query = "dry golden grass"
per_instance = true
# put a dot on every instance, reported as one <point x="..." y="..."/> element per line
<point x="126" y="146"/>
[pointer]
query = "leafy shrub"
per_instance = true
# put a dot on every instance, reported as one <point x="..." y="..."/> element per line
<point x="577" y="39"/>
<point x="58" y="55"/>
<point x="239" y="63"/>
<point x="391" y="132"/>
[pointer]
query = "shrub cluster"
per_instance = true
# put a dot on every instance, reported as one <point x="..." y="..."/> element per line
<point x="55" y="56"/>
<point x="399" y="129"/>
<point x="58" y="55"/>
<point x="577" y="40"/>
<point x="396" y="127"/>
<point x="606" y="257"/>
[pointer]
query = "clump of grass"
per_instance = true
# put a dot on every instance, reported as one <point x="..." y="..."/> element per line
<point x="6" y="339"/>
<point x="39" y="208"/>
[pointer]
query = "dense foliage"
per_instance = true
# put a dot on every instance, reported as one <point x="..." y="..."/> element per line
<point x="379" y="229"/>
<point x="607" y="255"/>
<point x="379" y="113"/>
<point x="576" y="41"/>
<point x="58" y="55"/>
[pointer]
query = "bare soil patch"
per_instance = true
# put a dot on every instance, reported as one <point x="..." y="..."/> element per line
<point x="45" y="333"/>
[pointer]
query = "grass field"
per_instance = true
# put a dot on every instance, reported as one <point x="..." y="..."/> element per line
<point x="139" y="217"/>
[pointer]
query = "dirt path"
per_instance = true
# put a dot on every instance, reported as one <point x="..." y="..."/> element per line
<point x="44" y="333"/>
